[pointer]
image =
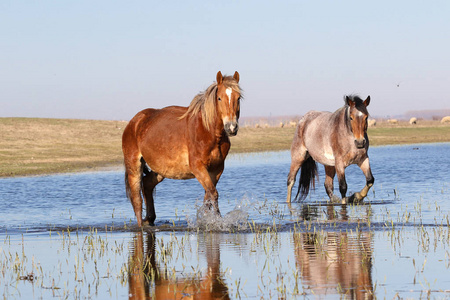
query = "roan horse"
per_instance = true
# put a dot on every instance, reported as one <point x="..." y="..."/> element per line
<point x="335" y="140"/>
<point x="181" y="143"/>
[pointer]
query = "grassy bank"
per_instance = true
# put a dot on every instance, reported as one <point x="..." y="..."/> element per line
<point x="41" y="146"/>
<point x="31" y="146"/>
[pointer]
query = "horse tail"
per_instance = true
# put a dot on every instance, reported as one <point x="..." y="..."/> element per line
<point x="307" y="178"/>
<point x="143" y="171"/>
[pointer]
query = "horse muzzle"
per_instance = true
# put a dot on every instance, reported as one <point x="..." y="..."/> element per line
<point x="360" y="143"/>
<point x="231" y="128"/>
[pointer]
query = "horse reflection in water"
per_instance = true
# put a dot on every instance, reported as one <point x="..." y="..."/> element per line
<point x="149" y="281"/>
<point x="335" y="261"/>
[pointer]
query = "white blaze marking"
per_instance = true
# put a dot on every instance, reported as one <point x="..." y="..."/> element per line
<point x="228" y="91"/>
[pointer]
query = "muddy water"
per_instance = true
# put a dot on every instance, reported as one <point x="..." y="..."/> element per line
<point x="75" y="235"/>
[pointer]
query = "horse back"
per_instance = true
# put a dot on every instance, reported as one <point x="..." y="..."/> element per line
<point x="314" y="134"/>
<point x="315" y="124"/>
<point x="152" y="116"/>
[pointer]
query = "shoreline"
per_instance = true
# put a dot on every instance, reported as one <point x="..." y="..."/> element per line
<point x="119" y="167"/>
<point x="35" y="147"/>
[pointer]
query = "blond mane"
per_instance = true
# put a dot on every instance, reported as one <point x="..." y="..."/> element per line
<point x="205" y="102"/>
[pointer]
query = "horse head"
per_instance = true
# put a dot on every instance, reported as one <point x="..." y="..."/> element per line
<point x="228" y="98"/>
<point x="357" y="116"/>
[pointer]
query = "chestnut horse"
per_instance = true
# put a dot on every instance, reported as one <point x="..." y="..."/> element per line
<point x="181" y="143"/>
<point x="335" y="140"/>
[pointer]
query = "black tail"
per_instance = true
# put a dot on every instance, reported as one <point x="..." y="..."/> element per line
<point x="307" y="178"/>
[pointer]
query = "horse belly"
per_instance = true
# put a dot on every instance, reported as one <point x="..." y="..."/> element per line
<point x="163" y="145"/>
<point x="328" y="158"/>
<point x="317" y="144"/>
<point x="179" y="174"/>
<point x="173" y="167"/>
<point x="325" y="158"/>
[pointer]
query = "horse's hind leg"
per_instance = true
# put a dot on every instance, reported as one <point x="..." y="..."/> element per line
<point x="298" y="156"/>
<point x="291" y="179"/>
<point x="150" y="180"/>
<point x="133" y="177"/>
<point x="330" y="172"/>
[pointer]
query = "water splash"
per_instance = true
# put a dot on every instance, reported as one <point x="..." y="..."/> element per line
<point x="207" y="219"/>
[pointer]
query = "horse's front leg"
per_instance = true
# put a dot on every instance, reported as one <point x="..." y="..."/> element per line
<point x="365" y="167"/>
<point x="209" y="184"/>
<point x="340" y="171"/>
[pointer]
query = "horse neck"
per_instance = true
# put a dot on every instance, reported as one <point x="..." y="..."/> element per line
<point x="342" y="119"/>
<point x="216" y="128"/>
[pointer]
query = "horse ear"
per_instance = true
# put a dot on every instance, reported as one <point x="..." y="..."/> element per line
<point x="236" y="76"/>
<point x="349" y="101"/>
<point x="367" y="101"/>
<point x="219" y="77"/>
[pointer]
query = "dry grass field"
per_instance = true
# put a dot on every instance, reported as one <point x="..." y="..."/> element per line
<point x="385" y="133"/>
<point x="30" y="146"/>
<point x="41" y="146"/>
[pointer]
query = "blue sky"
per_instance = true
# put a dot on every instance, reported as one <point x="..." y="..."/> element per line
<point x="110" y="59"/>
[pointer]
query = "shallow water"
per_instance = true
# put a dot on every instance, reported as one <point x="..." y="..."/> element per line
<point x="397" y="241"/>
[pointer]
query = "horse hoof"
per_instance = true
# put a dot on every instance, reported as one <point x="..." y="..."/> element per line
<point x="345" y="200"/>
<point x="212" y="207"/>
<point x="355" y="198"/>
<point x="146" y="222"/>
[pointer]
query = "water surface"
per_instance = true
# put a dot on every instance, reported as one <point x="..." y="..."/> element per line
<point x="76" y="234"/>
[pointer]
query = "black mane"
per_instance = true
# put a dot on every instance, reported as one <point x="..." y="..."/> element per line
<point x="358" y="101"/>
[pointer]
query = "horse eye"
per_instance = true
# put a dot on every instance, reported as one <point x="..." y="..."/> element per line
<point x="219" y="99"/>
<point x="351" y="118"/>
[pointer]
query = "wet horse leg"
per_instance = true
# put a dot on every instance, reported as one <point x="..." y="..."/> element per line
<point x="133" y="178"/>
<point x="365" y="167"/>
<point x="215" y="176"/>
<point x="330" y="172"/>
<point x="295" y="167"/>
<point x="298" y="156"/>
<point x="204" y="177"/>
<point x="340" y="170"/>
<point x="150" y="180"/>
